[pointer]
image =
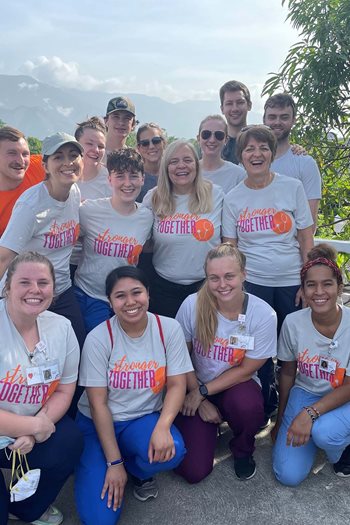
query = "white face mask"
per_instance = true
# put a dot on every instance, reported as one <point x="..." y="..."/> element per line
<point x="5" y="441"/>
<point x="27" y="482"/>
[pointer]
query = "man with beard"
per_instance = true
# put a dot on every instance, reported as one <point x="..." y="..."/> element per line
<point x="18" y="170"/>
<point x="235" y="103"/>
<point x="279" y="115"/>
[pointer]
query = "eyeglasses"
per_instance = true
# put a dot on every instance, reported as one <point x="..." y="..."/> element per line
<point x="146" y="143"/>
<point x="206" y="134"/>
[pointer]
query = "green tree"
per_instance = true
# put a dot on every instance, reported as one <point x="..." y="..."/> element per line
<point x="34" y="145"/>
<point x="316" y="72"/>
<point x="2" y="123"/>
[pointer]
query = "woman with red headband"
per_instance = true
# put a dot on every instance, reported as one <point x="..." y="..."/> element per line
<point x="313" y="347"/>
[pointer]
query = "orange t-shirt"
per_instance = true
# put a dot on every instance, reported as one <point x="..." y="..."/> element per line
<point x="34" y="174"/>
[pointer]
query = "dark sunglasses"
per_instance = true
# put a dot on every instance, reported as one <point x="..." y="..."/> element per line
<point x="155" y="141"/>
<point x="206" y="134"/>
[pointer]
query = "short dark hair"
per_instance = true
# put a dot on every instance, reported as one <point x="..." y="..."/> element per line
<point x="280" y="100"/>
<point x="125" y="271"/>
<point x="124" y="159"/>
<point x="234" y="85"/>
<point x="12" y="134"/>
<point x="258" y="132"/>
<point x="92" y="123"/>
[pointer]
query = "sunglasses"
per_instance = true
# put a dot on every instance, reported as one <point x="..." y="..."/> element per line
<point x="146" y="143"/>
<point x="206" y="134"/>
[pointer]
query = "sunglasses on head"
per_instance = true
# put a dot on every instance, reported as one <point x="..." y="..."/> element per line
<point x="146" y="142"/>
<point x="206" y="134"/>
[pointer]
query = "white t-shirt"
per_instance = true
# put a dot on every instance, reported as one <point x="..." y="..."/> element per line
<point x="303" y="168"/>
<point x="265" y="222"/>
<point x="97" y="188"/>
<point x="61" y="344"/>
<point x="135" y="370"/>
<point x="110" y="240"/>
<point x="227" y="176"/>
<point x="42" y="224"/>
<point x="260" y="323"/>
<point x="182" y="240"/>
<point x="300" y="341"/>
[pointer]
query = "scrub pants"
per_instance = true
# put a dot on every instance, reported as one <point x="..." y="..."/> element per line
<point x="133" y="438"/>
<point x="242" y="407"/>
<point x="330" y="432"/>
<point x="56" y="457"/>
<point x="94" y="311"/>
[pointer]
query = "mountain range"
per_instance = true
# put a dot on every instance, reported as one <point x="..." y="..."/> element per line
<point x="39" y="109"/>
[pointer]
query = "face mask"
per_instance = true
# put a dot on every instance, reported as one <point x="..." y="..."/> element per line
<point x="27" y="482"/>
<point x="5" y="441"/>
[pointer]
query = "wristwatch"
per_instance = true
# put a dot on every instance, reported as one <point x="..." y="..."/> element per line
<point x="203" y="391"/>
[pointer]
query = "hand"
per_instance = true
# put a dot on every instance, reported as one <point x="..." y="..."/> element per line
<point x="300" y="297"/>
<point x="298" y="150"/>
<point x="209" y="412"/>
<point x="192" y="401"/>
<point x="46" y="427"/>
<point x="23" y="443"/>
<point x="161" y="446"/>
<point x="114" y="485"/>
<point x="299" y="431"/>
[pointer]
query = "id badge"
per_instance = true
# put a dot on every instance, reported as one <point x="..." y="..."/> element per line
<point x="327" y="365"/>
<point x="33" y="375"/>
<point x="245" y="342"/>
<point x="50" y="371"/>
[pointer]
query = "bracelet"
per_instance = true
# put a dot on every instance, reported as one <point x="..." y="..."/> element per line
<point x="310" y="411"/>
<point x="116" y="462"/>
<point x="317" y="412"/>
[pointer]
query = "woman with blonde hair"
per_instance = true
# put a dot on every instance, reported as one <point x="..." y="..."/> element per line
<point x="187" y="224"/>
<point x="212" y="137"/>
<point x="230" y="335"/>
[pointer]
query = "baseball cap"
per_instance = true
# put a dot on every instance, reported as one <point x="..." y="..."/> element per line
<point x="51" y="143"/>
<point x="120" y="104"/>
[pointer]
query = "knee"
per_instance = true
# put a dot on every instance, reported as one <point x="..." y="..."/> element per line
<point x="194" y="474"/>
<point x="97" y="516"/>
<point x="320" y="437"/>
<point x="286" y="475"/>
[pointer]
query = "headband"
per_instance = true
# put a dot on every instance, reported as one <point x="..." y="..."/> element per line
<point x="324" y="261"/>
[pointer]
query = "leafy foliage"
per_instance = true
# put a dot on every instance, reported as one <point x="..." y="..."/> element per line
<point x="316" y="72"/>
<point x="34" y="145"/>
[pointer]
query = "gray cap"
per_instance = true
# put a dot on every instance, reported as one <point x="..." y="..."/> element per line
<point x="51" y="143"/>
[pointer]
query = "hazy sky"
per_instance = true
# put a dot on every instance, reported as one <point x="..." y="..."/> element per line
<point x="174" y="49"/>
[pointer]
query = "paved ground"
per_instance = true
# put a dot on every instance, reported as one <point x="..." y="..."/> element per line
<point x="222" y="499"/>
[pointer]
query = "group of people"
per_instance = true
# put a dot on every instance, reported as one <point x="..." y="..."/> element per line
<point x="173" y="270"/>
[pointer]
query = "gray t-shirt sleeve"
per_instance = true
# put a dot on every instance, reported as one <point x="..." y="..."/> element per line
<point x="177" y="356"/>
<point x="20" y="228"/>
<point x="286" y="348"/>
<point x="71" y="364"/>
<point x="95" y="357"/>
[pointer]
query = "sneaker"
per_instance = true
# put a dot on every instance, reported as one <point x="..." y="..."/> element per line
<point x="342" y="467"/>
<point x="143" y="490"/>
<point x="51" y="516"/>
<point x="266" y="423"/>
<point x="245" y="468"/>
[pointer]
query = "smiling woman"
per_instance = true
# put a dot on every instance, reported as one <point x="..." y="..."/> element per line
<point x="113" y="231"/>
<point x="39" y="357"/>
<point x="46" y="219"/>
<point x="314" y="382"/>
<point x="187" y="223"/>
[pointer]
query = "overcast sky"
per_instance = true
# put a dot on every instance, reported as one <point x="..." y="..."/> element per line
<point x="174" y="49"/>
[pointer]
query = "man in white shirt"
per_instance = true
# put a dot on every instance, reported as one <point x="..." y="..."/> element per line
<point x="279" y="115"/>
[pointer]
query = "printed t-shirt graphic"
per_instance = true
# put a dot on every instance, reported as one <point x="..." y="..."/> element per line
<point x="61" y="344"/>
<point x="265" y="223"/>
<point x="133" y="370"/>
<point x="109" y="240"/>
<point x="182" y="240"/>
<point x="300" y="341"/>
<point x="42" y="224"/>
<point x="209" y="363"/>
